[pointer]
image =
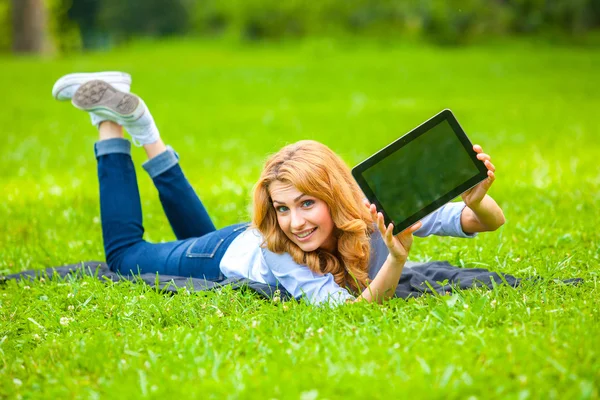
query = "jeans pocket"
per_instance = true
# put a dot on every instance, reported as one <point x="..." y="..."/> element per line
<point x="206" y="246"/>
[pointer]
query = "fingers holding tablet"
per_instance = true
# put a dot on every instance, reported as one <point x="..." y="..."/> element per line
<point x="487" y="162"/>
<point x="399" y="245"/>
<point x="379" y="220"/>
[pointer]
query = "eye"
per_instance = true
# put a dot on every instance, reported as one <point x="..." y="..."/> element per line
<point x="308" y="203"/>
<point x="281" y="209"/>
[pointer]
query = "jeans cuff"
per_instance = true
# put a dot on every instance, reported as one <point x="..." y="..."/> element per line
<point x="110" y="146"/>
<point x="162" y="162"/>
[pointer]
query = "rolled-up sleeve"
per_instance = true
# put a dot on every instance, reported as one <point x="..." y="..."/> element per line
<point x="300" y="281"/>
<point x="445" y="221"/>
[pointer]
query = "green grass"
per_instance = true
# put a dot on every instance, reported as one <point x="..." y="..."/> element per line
<point x="224" y="108"/>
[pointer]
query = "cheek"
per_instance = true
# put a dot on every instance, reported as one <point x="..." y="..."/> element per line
<point x="324" y="217"/>
<point x="282" y="222"/>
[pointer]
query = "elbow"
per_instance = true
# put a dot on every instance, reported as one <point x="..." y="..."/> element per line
<point x="499" y="222"/>
<point x="502" y="220"/>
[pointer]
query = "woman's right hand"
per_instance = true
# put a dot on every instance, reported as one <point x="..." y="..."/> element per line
<point x="399" y="245"/>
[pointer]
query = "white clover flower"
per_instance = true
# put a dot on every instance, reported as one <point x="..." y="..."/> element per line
<point x="26" y="287"/>
<point x="64" y="321"/>
<point x="276" y="299"/>
<point x="71" y="308"/>
<point x="17" y="382"/>
<point x="466" y="306"/>
<point x="70" y="296"/>
<point x="493" y="303"/>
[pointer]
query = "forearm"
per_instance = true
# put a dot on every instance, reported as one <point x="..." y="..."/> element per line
<point x="384" y="285"/>
<point x="482" y="217"/>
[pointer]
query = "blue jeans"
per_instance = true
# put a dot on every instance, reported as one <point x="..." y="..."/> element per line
<point x="200" y="246"/>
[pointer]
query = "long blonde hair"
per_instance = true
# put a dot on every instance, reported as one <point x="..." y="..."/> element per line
<point x="314" y="169"/>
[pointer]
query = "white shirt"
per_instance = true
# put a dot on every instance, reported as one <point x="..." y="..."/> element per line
<point x="243" y="259"/>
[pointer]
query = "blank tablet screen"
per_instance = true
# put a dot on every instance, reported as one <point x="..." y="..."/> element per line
<point x="420" y="172"/>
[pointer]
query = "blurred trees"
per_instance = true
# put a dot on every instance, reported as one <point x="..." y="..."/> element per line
<point x="146" y="17"/>
<point x="29" y="26"/>
<point x="85" y="14"/>
<point x="443" y="21"/>
<point x="99" y="23"/>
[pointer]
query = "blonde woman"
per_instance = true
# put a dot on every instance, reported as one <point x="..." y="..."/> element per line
<point x="311" y="231"/>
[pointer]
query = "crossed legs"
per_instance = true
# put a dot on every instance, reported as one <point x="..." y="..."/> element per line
<point x="106" y="97"/>
<point x="120" y="205"/>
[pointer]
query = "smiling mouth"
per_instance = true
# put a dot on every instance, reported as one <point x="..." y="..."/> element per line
<point x="306" y="234"/>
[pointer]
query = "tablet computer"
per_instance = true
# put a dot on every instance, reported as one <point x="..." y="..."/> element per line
<point x="421" y="171"/>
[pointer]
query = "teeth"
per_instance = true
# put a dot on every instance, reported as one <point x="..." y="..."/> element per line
<point x="306" y="234"/>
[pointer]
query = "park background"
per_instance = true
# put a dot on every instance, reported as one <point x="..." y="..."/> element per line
<point x="230" y="82"/>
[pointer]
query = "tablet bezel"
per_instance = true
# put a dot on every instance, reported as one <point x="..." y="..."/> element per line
<point x="444" y="115"/>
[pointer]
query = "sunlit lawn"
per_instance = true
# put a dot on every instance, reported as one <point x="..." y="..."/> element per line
<point x="224" y="107"/>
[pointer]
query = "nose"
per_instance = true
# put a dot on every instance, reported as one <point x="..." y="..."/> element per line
<point x="298" y="221"/>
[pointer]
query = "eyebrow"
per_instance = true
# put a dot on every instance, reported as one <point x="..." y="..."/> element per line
<point x="295" y="200"/>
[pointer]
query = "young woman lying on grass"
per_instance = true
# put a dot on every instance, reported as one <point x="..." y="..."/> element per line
<point x="311" y="230"/>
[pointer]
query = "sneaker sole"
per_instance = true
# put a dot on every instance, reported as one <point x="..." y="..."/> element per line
<point x="80" y="78"/>
<point x="103" y="99"/>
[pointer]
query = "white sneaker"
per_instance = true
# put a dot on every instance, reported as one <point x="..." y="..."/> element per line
<point x="67" y="85"/>
<point x="126" y="109"/>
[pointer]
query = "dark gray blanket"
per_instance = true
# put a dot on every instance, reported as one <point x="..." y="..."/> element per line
<point x="426" y="278"/>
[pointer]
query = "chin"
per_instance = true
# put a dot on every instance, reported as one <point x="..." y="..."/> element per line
<point x="308" y="247"/>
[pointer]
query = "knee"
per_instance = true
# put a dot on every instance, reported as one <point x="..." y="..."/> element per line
<point x="123" y="260"/>
<point x="114" y="262"/>
<point x="144" y="257"/>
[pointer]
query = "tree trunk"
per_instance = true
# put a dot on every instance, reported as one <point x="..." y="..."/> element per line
<point x="29" y="26"/>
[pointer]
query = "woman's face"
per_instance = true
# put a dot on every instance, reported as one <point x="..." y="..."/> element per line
<point x="304" y="219"/>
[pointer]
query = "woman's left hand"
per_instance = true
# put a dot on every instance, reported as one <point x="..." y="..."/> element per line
<point x="473" y="196"/>
<point x="398" y="245"/>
